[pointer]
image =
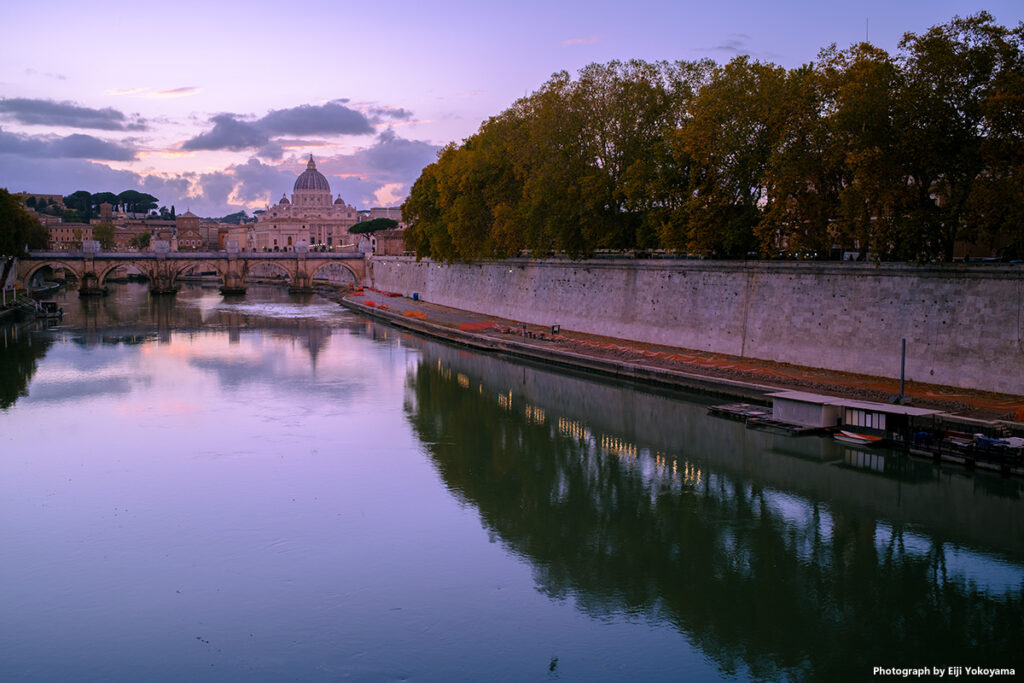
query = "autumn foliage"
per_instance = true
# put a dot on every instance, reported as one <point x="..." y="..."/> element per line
<point x="900" y="156"/>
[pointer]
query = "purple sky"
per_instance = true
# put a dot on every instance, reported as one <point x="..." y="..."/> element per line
<point x="214" y="106"/>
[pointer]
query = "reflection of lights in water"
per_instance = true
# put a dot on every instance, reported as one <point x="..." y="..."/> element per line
<point x="574" y="429"/>
<point x="505" y="400"/>
<point x="616" y="446"/>
<point x="463" y="381"/>
<point x="535" y="414"/>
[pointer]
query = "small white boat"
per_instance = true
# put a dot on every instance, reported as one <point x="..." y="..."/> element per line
<point x="856" y="438"/>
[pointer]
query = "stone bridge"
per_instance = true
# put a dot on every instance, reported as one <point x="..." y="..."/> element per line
<point x="163" y="269"/>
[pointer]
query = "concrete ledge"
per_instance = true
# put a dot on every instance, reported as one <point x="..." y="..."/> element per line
<point x="574" y="361"/>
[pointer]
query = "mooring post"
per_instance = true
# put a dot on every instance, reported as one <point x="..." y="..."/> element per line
<point x="903" y="365"/>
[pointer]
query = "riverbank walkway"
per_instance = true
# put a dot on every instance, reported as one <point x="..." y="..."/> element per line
<point x="712" y="372"/>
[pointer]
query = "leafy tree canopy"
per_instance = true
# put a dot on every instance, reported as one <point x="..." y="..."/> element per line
<point x="373" y="225"/>
<point x="903" y="156"/>
<point x="236" y="218"/>
<point x="104" y="234"/>
<point x="18" y="228"/>
<point x="140" y="242"/>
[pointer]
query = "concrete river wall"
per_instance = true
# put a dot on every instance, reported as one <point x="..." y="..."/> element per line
<point x="964" y="324"/>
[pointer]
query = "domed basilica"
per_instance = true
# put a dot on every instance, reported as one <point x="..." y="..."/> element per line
<point x="309" y="218"/>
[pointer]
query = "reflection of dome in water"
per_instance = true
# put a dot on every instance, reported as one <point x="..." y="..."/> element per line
<point x="311" y="179"/>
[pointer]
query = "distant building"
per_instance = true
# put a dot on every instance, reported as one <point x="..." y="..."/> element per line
<point x="187" y="233"/>
<point x="68" y="236"/>
<point x="388" y="242"/>
<point x="125" y="230"/>
<point x="55" y="199"/>
<point x="310" y="218"/>
<point x="392" y="212"/>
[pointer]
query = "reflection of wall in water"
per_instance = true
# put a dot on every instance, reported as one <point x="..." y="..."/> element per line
<point x="955" y="505"/>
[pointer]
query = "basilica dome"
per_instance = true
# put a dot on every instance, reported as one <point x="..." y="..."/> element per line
<point x="311" y="179"/>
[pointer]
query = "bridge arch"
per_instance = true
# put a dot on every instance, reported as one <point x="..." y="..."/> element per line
<point x="335" y="264"/>
<point x="219" y="267"/>
<point x="260" y="267"/>
<point x="104" y="272"/>
<point x="35" y="267"/>
<point x="92" y="270"/>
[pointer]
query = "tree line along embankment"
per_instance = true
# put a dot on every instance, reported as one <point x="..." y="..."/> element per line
<point x="963" y="323"/>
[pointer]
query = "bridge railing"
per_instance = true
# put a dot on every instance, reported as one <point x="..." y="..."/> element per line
<point x="268" y="255"/>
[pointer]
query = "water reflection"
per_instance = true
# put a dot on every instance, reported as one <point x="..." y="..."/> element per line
<point x="130" y="316"/>
<point x="19" y="356"/>
<point x="253" y="473"/>
<point x="781" y="557"/>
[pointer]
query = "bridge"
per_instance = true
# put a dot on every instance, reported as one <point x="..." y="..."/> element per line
<point x="91" y="269"/>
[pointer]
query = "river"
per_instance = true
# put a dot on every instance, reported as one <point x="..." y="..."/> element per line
<point x="273" y="488"/>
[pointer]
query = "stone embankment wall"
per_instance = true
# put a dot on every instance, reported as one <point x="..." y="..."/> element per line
<point x="964" y="324"/>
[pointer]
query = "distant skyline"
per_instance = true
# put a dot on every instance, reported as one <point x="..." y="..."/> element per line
<point x="215" y="107"/>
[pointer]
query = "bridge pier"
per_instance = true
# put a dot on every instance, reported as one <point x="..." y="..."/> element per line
<point x="298" y="288"/>
<point x="234" y="284"/>
<point x="302" y="283"/>
<point x="162" y="283"/>
<point x="90" y="285"/>
<point x="162" y="274"/>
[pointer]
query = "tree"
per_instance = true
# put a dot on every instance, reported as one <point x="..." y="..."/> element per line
<point x="81" y="203"/>
<point x="958" y="85"/>
<point x="137" y="202"/>
<point x="19" y="230"/>
<point x="104" y="234"/>
<point x="730" y="140"/>
<point x="800" y="177"/>
<point x="104" y="198"/>
<point x="140" y="242"/>
<point x="374" y="225"/>
<point x="427" y="234"/>
<point x="236" y="218"/>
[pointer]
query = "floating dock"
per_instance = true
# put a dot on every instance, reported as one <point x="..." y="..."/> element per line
<point x="740" y="411"/>
<point x="760" y="417"/>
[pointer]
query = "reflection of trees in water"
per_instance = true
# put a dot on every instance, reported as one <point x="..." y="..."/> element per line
<point x="717" y="555"/>
<point x="19" y="355"/>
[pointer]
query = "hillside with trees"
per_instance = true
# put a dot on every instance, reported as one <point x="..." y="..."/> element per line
<point x="900" y="156"/>
<point x="82" y="206"/>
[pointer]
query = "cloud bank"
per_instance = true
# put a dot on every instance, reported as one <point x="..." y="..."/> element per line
<point x="233" y="132"/>
<point x="381" y="172"/>
<point x="32" y="112"/>
<point x="76" y="146"/>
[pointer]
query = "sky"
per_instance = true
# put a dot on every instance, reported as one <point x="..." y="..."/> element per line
<point x="215" y="106"/>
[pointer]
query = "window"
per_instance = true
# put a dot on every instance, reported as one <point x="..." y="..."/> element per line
<point x="864" y="418"/>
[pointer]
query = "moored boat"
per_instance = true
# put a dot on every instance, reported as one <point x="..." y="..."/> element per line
<point x="857" y="438"/>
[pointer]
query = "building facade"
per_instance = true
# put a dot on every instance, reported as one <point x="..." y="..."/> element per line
<point x="310" y="218"/>
<point x="68" y="236"/>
